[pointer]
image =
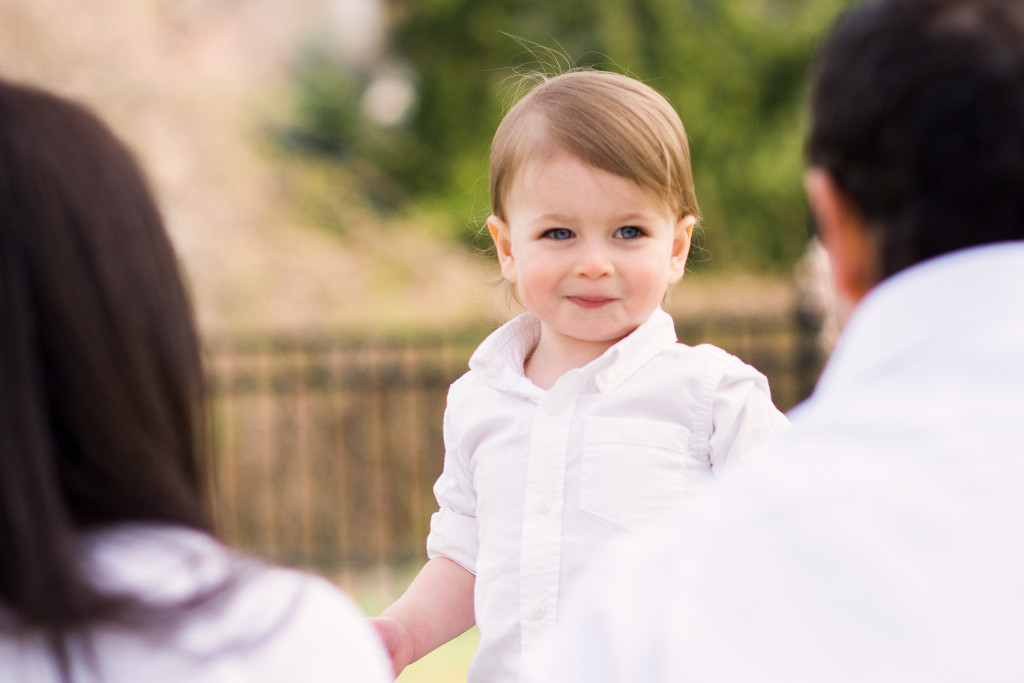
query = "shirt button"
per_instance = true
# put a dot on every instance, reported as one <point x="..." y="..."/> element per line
<point x="553" y="409"/>
<point x="537" y="611"/>
<point x="542" y="507"/>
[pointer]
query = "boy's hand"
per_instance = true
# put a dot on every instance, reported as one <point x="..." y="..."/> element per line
<point x="397" y="641"/>
<point x="436" y="607"/>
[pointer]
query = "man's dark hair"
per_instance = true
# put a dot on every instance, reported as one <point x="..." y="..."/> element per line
<point x="918" y="113"/>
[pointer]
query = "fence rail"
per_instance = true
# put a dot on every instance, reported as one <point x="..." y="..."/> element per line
<point x="326" y="450"/>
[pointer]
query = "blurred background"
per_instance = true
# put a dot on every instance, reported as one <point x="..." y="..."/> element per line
<point x="322" y="168"/>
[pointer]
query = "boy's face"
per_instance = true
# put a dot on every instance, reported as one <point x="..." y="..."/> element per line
<point x="590" y="252"/>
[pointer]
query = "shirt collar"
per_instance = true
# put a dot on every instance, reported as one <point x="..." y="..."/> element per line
<point x="499" y="360"/>
<point x="925" y="306"/>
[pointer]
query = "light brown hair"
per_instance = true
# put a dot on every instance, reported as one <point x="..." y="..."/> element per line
<point x="612" y="122"/>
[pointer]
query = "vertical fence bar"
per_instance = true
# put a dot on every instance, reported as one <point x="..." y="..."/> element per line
<point x="416" y="446"/>
<point x="268" y="456"/>
<point x="341" y="456"/>
<point x="225" y="443"/>
<point x="377" y="426"/>
<point x="303" y="452"/>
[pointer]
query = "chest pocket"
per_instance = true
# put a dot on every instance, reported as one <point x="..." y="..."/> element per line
<point x="633" y="469"/>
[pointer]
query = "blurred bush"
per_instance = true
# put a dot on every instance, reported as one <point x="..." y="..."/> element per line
<point x="416" y="129"/>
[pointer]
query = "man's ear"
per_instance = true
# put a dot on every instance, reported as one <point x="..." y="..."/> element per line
<point x="851" y="246"/>
<point x="681" y="247"/>
<point x="503" y="245"/>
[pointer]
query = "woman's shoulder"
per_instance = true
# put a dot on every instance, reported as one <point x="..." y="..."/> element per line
<point x="244" y="614"/>
<point x="313" y="630"/>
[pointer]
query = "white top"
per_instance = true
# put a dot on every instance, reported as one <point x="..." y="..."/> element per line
<point x="535" y="480"/>
<point x="881" y="539"/>
<point x="277" y="625"/>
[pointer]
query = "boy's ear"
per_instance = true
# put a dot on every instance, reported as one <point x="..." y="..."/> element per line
<point x="851" y="246"/>
<point x="503" y="245"/>
<point x="681" y="246"/>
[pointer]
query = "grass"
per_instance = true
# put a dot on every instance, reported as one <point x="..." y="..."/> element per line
<point x="446" y="664"/>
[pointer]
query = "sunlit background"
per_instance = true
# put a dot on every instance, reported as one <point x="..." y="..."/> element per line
<point x="322" y="163"/>
<point x="322" y="168"/>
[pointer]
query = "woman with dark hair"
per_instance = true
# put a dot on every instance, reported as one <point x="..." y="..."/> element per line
<point x="108" y="567"/>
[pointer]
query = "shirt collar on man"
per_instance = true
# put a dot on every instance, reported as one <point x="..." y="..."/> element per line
<point x="941" y="298"/>
<point x="499" y="360"/>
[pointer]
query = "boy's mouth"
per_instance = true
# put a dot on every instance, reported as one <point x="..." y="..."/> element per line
<point x="591" y="301"/>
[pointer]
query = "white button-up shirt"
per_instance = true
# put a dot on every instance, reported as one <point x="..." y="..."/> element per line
<point x="534" y="481"/>
<point x="268" y="624"/>
<point x="880" y="539"/>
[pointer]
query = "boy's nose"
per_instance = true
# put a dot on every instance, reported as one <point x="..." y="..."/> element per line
<point x="593" y="261"/>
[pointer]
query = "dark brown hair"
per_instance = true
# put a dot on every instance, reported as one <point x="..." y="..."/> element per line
<point x="918" y="113"/>
<point x="102" y="396"/>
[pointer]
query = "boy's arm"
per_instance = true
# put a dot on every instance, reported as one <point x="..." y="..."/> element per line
<point x="436" y="607"/>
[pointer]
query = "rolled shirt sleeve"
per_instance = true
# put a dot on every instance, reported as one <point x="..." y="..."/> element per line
<point x="453" y="528"/>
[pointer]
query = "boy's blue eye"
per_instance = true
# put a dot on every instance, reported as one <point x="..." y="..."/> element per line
<point x="559" y="233"/>
<point x="629" y="232"/>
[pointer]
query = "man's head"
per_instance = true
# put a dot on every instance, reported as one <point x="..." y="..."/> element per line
<point x="917" y="133"/>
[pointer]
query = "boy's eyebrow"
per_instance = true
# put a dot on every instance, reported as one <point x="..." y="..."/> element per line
<point x="553" y="218"/>
<point x="625" y="217"/>
<point x="639" y="214"/>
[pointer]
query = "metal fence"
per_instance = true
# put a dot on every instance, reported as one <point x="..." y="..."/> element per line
<point x="326" y="449"/>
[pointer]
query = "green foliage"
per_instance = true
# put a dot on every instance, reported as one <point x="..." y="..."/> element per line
<point x="735" y="70"/>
